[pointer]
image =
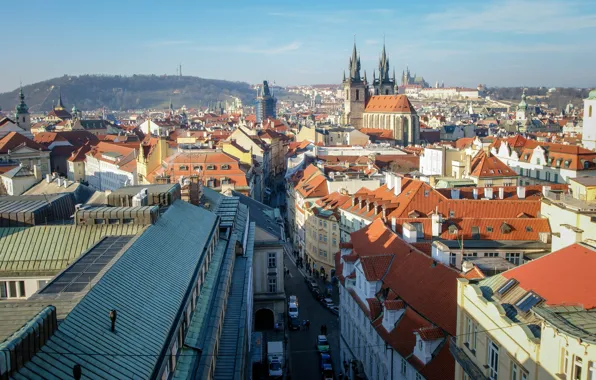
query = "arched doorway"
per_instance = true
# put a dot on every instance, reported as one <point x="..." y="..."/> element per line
<point x="264" y="320"/>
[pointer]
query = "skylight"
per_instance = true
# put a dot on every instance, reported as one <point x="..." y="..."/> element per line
<point x="528" y="301"/>
<point x="506" y="287"/>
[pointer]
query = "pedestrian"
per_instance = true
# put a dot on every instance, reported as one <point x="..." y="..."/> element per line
<point x="307" y="324"/>
<point x="304" y="324"/>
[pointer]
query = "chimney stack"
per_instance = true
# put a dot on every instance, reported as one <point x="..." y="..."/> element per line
<point x="475" y="192"/>
<point x="488" y="192"/>
<point x="113" y="316"/>
<point x="393" y="224"/>
<point x="521" y="192"/>
<point x="501" y="192"/>
<point x="455" y="193"/>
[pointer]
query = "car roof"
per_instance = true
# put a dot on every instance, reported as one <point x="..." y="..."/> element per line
<point x="328" y="299"/>
<point x="322" y="337"/>
<point x="292" y="304"/>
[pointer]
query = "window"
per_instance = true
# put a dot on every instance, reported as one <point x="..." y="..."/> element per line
<point x="418" y="376"/>
<point x="325" y="238"/>
<point x="12" y="289"/>
<point x="183" y="167"/>
<point x="451" y="214"/>
<point x="556" y="179"/>
<point x="517" y="372"/>
<point x="404" y="367"/>
<point x="547" y="174"/>
<point x="564" y="361"/>
<point x="471" y="329"/>
<point x="493" y="360"/>
<point x="320" y="223"/>
<point x="491" y="254"/>
<point x="537" y="174"/>
<point x="577" y="368"/>
<point x="320" y="237"/>
<point x="100" y="221"/>
<point x="475" y="232"/>
<point x="489" y="229"/>
<point x="272" y="260"/>
<point x="272" y="285"/>
<point x="113" y="221"/>
<point x="513" y="257"/>
<point x="592" y="371"/>
<point x="334" y="242"/>
<point x="528" y="301"/>
<point x="521" y="172"/>
<point x="334" y="226"/>
<point x="41" y="283"/>
<point x="325" y="224"/>
<point x="225" y="167"/>
<point x="357" y="94"/>
<point x="452" y="259"/>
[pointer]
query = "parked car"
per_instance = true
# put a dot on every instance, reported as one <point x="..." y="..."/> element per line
<point x="326" y="366"/>
<point x="294" y="323"/>
<point x="292" y="310"/>
<point x="334" y="309"/>
<point x="328" y="302"/>
<point x="313" y="285"/>
<point x="322" y="344"/>
<point x="294" y="299"/>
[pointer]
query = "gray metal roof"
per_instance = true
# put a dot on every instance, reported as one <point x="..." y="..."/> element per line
<point x="573" y="320"/>
<point x="46" y="250"/>
<point x="148" y="286"/>
<point x="263" y="215"/>
<point x="232" y="349"/>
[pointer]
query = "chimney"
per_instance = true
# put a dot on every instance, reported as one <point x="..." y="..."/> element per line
<point x="475" y="192"/>
<point x="545" y="190"/>
<point x="521" y="192"/>
<point x="488" y="192"/>
<point x="466" y="266"/>
<point x="48" y="178"/>
<point x="37" y="173"/>
<point x="455" y="193"/>
<point x="65" y="183"/>
<point x="393" y="224"/>
<point x="113" y="316"/>
<point x="59" y="181"/>
<point x="437" y="224"/>
<point x="409" y="233"/>
<point x="501" y="192"/>
<point x="396" y="185"/>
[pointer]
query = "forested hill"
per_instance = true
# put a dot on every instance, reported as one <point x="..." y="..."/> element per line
<point x="90" y="92"/>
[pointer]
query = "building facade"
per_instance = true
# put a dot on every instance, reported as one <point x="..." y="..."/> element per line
<point x="266" y="104"/>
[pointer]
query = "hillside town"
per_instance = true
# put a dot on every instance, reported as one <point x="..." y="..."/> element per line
<point x="424" y="231"/>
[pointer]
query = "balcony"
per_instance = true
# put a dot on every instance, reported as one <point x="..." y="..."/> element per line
<point x="465" y="362"/>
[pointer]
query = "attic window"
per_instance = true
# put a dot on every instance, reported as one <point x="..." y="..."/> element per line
<point x="210" y="167"/>
<point x="225" y="166"/>
<point x="529" y="229"/>
<point x="426" y="192"/>
<point x="451" y="214"/>
<point x="567" y="163"/>
<point x="197" y="167"/>
<point x="475" y="232"/>
<point x="453" y="229"/>
<point x="550" y="160"/>
<point x="489" y="229"/>
<point x="183" y="167"/>
<point x="559" y="162"/>
<point x="505" y="228"/>
<point x="506" y="287"/>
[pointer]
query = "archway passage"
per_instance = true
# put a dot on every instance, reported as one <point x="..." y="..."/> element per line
<point x="264" y="320"/>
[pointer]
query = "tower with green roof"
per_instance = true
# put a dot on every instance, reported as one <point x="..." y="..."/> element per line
<point x="589" y="128"/>
<point x="522" y="108"/>
<point x="22" y="113"/>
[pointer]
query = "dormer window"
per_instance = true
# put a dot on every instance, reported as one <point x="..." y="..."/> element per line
<point x="183" y="167"/>
<point x="567" y="163"/>
<point x="210" y="167"/>
<point x="528" y="301"/>
<point x="225" y="167"/>
<point x="559" y="162"/>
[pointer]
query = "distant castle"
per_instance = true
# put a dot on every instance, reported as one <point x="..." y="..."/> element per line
<point x="407" y="79"/>
<point x="378" y="107"/>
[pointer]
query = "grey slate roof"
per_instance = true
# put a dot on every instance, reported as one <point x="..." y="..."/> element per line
<point x="263" y="215"/>
<point x="148" y="286"/>
<point x="573" y="320"/>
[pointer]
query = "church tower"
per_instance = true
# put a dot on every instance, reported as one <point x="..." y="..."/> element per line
<point x="356" y="93"/>
<point x="589" y="129"/>
<point x="384" y="85"/>
<point x="522" y="108"/>
<point x="22" y="113"/>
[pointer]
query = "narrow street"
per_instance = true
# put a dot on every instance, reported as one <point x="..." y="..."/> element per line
<point x="304" y="358"/>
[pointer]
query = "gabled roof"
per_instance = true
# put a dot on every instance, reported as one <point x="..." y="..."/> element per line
<point x="375" y="267"/>
<point x="564" y="277"/>
<point x="14" y="139"/>
<point x="390" y="104"/>
<point x="487" y="166"/>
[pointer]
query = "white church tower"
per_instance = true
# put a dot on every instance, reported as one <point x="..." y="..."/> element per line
<point x="589" y="128"/>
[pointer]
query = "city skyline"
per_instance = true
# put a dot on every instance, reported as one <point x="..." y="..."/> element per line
<point x="464" y="43"/>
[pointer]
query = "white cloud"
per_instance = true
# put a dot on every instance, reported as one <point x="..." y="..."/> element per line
<point x="250" y="49"/>
<point x="517" y="16"/>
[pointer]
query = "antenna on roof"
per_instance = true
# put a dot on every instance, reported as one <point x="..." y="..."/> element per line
<point x="113" y="316"/>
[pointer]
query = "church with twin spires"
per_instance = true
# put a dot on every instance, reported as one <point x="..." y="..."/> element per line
<point x="378" y="106"/>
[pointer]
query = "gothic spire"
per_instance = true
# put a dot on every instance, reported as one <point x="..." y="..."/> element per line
<point x="384" y="66"/>
<point x="60" y="104"/>
<point x="355" y="65"/>
<point x="364" y="76"/>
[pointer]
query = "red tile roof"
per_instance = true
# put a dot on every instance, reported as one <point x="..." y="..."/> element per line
<point x="394" y="304"/>
<point x="430" y="333"/>
<point x="375" y="267"/>
<point x="564" y="277"/>
<point x="13" y="139"/>
<point x="484" y="165"/>
<point x="389" y="104"/>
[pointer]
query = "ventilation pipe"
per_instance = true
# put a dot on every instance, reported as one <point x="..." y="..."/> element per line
<point x="113" y="316"/>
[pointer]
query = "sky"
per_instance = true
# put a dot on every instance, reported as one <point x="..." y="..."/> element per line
<point x="463" y="43"/>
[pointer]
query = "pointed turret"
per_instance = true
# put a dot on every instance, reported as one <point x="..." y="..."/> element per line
<point x="22" y="108"/>
<point x="60" y="105"/>
<point x="355" y="65"/>
<point x="344" y="76"/>
<point x="364" y="76"/>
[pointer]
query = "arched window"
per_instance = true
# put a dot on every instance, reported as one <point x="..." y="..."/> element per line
<point x="386" y="92"/>
<point x="590" y="111"/>
<point x="357" y="94"/>
<point x="347" y="94"/>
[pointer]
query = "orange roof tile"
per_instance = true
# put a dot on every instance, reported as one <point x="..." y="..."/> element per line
<point x="389" y="104"/>
<point x="564" y="277"/>
<point x="14" y="139"/>
<point x="487" y="166"/>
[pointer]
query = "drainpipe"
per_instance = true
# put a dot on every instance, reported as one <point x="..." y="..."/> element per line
<point x="388" y="347"/>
